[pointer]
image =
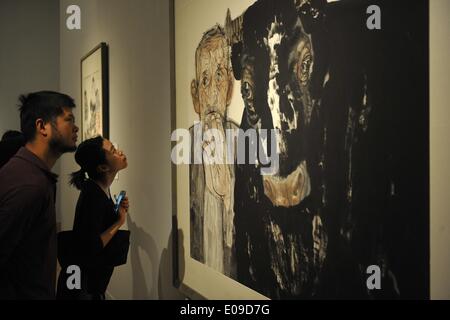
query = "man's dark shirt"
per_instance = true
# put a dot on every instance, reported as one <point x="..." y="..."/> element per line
<point x="27" y="228"/>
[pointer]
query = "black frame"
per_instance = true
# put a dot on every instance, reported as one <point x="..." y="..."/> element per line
<point x="105" y="87"/>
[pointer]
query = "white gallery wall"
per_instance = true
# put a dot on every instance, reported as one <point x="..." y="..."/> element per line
<point x="137" y="33"/>
<point x="29" y="53"/>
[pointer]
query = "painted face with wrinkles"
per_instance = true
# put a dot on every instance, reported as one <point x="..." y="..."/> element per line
<point x="214" y="79"/>
<point x="275" y="89"/>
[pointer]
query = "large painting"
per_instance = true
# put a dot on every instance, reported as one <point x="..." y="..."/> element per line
<point x="94" y="93"/>
<point x="303" y="167"/>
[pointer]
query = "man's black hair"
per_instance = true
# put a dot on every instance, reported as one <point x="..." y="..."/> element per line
<point x="45" y="105"/>
<point x="11" y="134"/>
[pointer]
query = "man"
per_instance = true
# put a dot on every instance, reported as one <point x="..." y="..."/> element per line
<point x="212" y="185"/>
<point x="27" y="197"/>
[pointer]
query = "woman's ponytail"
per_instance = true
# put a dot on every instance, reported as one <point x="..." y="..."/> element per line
<point x="89" y="155"/>
<point x="78" y="178"/>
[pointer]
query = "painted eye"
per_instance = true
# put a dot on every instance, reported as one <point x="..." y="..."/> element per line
<point x="205" y="80"/>
<point x="247" y="91"/>
<point x="219" y="76"/>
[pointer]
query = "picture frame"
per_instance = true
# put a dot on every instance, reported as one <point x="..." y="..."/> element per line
<point x="342" y="145"/>
<point x="192" y="277"/>
<point x="94" y="70"/>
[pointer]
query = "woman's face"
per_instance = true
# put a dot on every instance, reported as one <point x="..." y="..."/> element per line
<point x="116" y="159"/>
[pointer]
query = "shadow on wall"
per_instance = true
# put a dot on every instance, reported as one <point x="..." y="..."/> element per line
<point x="178" y="268"/>
<point x="146" y="288"/>
<point x="167" y="286"/>
<point x="141" y="239"/>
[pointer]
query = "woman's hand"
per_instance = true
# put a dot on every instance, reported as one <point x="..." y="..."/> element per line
<point x="123" y="210"/>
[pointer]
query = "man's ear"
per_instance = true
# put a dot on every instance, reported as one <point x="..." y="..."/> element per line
<point x="230" y="88"/>
<point x="194" y="94"/>
<point x="41" y="127"/>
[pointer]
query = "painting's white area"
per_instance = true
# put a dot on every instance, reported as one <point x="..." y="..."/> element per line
<point x="292" y="123"/>
<point x="278" y="251"/>
<point x="320" y="241"/>
<point x="92" y="124"/>
<point x="326" y="79"/>
<point x="273" y="99"/>
<point x="212" y="228"/>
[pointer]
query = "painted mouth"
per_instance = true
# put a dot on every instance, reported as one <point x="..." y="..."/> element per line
<point x="213" y="113"/>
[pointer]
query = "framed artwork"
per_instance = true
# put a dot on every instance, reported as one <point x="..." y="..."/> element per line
<point x="95" y="93"/>
<point x="299" y="124"/>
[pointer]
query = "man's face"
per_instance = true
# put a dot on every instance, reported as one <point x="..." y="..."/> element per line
<point x="64" y="132"/>
<point x="213" y="77"/>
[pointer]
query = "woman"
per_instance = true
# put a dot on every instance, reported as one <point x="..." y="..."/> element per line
<point x="96" y="222"/>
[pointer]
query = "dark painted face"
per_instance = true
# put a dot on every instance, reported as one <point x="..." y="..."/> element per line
<point x="275" y="77"/>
